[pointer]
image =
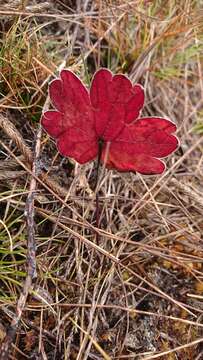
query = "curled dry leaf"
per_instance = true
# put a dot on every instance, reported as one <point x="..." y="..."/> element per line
<point x="107" y="116"/>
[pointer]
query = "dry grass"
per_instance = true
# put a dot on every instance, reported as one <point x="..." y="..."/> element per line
<point x="137" y="293"/>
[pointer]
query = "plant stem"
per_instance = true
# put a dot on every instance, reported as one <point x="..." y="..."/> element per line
<point x="100" y="145"/>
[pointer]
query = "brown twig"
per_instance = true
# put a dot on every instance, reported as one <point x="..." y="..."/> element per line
<point x="31" y="259"/>
<point x="11" y="131"/>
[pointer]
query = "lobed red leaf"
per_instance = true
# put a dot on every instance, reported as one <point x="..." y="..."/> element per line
<point x="109" y="113"/>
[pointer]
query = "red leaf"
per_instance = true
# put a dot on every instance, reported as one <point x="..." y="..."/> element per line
<point x="109" y="114"/>
<point x="78" y="144"/>
<point x="143" y="163"/>
<point x="115" y="102"/>
<point x="52" y="122"/>
<point x="73" y="124"/>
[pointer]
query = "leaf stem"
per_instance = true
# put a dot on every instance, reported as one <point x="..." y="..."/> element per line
<point x="100" y="147"/>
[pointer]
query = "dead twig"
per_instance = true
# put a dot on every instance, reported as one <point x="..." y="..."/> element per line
<point x="31" y="258"/>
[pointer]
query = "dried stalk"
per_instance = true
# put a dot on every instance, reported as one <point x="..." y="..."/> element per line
<point x="31" y="259"/>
